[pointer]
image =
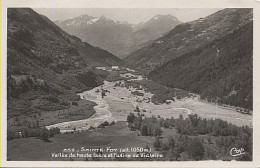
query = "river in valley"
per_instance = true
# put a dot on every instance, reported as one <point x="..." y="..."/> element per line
<point x="119" y="102"/>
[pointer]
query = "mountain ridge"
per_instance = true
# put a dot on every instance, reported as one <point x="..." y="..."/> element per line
<point x="175" y="43"/>
<point x="119" y="37"/>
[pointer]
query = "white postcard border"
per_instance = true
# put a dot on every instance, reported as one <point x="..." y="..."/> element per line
<point x="134" y="4"/>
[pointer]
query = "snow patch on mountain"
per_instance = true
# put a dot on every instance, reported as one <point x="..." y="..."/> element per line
<point x="93" y="20"/>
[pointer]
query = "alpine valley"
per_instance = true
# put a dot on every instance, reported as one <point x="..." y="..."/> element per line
<point x="95" y="89"/>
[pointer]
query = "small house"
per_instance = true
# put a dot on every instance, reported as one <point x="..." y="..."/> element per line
<point x="130" y="70"/>
<point x="168" y="101"/>
<point x="115" y="68"/>
<point x="102" y="68"/>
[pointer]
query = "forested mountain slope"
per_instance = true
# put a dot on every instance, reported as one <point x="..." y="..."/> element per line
<point x="221" y="70"/>
<point x="190" y="36"/>
<point x="43" y="60"/>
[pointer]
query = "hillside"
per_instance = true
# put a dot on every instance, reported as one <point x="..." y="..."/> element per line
<point x="45" y="64"/>
<point x="221" y="70"/>
<point x="187" y="37"/>
<point x="119" y="38"/>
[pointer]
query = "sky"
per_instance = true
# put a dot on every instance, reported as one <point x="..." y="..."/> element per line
<point x="131" y="15"/>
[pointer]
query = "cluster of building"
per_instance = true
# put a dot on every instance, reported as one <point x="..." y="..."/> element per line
<point x="114" y="68"/>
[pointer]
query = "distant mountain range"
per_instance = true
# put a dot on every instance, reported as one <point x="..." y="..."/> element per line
<point x="211" y="56"/>
<point x="119" y="38"/>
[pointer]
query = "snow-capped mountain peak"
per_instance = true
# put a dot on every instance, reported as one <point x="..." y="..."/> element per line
<point x="118" y="37"/>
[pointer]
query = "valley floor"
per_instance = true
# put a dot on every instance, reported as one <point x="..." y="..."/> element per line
<point x="120" y="101"/>
<point x="115" y="106"/>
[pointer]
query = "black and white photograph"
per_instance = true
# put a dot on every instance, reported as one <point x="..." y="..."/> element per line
<point x="129" y="84"/>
